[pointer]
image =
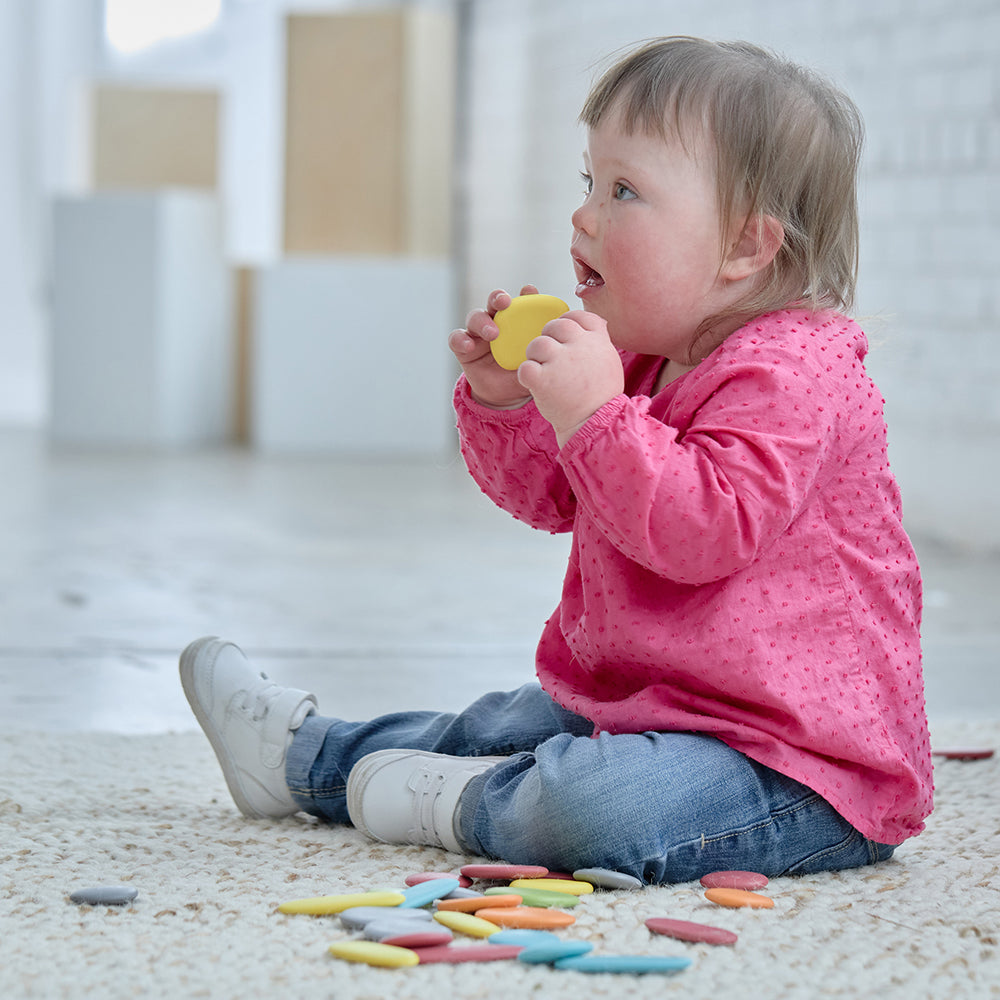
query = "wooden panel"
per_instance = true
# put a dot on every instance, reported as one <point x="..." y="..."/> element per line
<point x="344" y="128"/>
<point x="369" y="132"/>
<point x="148" y="138"/>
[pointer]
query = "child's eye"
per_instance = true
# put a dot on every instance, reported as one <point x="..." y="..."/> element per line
<point x="588" y="182"/>
<point x="623" y="192"/>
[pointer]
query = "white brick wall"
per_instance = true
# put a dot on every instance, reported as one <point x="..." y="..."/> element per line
<point x="926" y="75"/>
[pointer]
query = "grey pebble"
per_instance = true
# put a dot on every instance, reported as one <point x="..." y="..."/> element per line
<point x="105" y="895"/>
<point x="607" y="879"/>
<point x="357" y="916"/>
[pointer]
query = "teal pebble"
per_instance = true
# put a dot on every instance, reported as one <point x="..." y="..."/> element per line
<point x="623" y="963"/>
<point x="552" y="951"/>
<point x="426" y="892"/>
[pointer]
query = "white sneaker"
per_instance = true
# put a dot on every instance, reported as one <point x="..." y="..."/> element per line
<point x="249" y="721"/>
<point x="411" y="796"/>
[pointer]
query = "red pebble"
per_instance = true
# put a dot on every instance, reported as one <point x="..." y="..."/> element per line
<point x="963" y="753"/>
<point x="685" y="930"/>
<point x="463" y="881"/>
<point x="502" y="872"/>
<point x="734" y="880"/>
<point x="469" y="953"/>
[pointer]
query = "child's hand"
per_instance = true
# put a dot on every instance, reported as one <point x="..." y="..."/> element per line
<point x="572" y="370"/>
<point x="490" y="384"/>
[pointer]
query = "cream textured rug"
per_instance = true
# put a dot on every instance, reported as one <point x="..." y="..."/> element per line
<point x="153" y="812"/>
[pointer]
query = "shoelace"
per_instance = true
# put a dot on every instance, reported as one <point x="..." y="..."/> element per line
<point x="426" y="787"/>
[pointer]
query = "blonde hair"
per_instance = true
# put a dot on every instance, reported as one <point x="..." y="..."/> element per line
<point x="787" y="144"/>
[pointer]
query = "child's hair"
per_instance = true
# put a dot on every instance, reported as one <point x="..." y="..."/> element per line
<point x="787" y="144"/>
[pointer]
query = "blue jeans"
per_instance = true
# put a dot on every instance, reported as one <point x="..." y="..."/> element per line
<point x="664" y="807"/>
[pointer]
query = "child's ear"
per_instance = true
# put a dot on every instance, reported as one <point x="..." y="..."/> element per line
<point x="756" y="246"/>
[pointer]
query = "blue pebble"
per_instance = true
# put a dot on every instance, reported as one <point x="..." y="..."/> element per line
<point x="426" y="892"/>
<point x="552" y="951"/>
<point x="623" y="963"/>
<point x="525" y="937"/>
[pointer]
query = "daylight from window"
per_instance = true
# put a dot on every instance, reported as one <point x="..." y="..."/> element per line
<point x="135" y="25"/>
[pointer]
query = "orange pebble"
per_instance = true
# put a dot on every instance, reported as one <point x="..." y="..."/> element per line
<point x="533" y="917"/>
<point x="473" y="903"/>
<point x="735" y="898"/>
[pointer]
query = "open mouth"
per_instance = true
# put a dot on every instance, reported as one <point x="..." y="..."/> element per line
<point x="586" y="276"/>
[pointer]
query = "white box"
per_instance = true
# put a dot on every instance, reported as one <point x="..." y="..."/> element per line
<point x="142" y="340"/>
<point x="351" y="356"/>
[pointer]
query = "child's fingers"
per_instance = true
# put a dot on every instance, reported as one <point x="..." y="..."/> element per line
<point x="466" y="347"/>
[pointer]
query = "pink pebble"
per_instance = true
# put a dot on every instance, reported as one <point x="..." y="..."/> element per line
<point x="734" y="880"/>
<point x="420" y="939"/>
<point x="685" y="930"/>
<point x="501" y="872"/>
<point x="469" y="953"/>
<point x="463" y="881"/>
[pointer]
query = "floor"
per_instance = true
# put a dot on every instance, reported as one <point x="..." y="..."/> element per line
<point x="380" y="586"/>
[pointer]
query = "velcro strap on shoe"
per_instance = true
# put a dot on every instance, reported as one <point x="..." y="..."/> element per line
<point x="276" y="730"/>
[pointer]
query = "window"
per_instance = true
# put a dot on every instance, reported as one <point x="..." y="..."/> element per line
<point x="132" y="26"/>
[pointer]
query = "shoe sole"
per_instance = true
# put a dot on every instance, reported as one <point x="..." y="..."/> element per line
<point x="197" y="655"/>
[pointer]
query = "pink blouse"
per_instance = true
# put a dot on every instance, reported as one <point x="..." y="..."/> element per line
<point x="739" y="566"/>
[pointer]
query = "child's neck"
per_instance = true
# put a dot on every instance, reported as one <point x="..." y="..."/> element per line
<point x="671" y="370"/>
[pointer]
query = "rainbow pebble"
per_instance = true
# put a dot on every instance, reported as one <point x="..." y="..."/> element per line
<point x="426" y="892"/>
<point x="604" y="878"/>
<point x="417" y="877"/>
<point x="358" y="916"/>
<point x="737" y="898"/>
<point x="474" y="903"/>
<point x="393" y="926"/>
<point x="553" y="951"/>
<point x="325" y="905"/>
<point x="502" y="872"/>
<point x="468" y="953"/>
<point x="567" y="885"/>
<point x="635" y="964"/>
<point x="466" y="923"/>
<point x="536" y="897"/>
<point x="686" y="930"/>
<point x="734" y="880"/>
<point x="374" y="953"/>
<point x="524" y="937"/>
<point x="532" y="917"/>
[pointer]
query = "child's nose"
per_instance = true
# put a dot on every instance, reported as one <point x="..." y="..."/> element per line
<point x="583" y="218"/>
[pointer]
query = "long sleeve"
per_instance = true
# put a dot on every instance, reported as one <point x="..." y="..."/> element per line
<point x="699" y="498"/>
<point x="513" y="456"/>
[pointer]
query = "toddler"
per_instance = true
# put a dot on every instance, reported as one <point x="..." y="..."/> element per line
<point x="732" y="677"/>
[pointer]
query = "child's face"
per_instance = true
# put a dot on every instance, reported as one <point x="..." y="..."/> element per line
<point x="646" y="241"/>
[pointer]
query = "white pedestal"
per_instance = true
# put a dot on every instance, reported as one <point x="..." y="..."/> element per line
<point x="351" y="356"/>
<point x="142" y="351"/>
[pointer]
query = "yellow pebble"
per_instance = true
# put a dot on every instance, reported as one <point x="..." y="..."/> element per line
<point x="466" y="923"/>
<point x="387" y="956"/>
<point x="323" y="905"/>
<point x="567" y="885"/>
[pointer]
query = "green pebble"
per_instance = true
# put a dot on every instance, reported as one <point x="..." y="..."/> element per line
<point x="536" y="897"/>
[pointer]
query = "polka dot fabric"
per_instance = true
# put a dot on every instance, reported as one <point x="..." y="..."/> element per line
<point x="739" y="565"/>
